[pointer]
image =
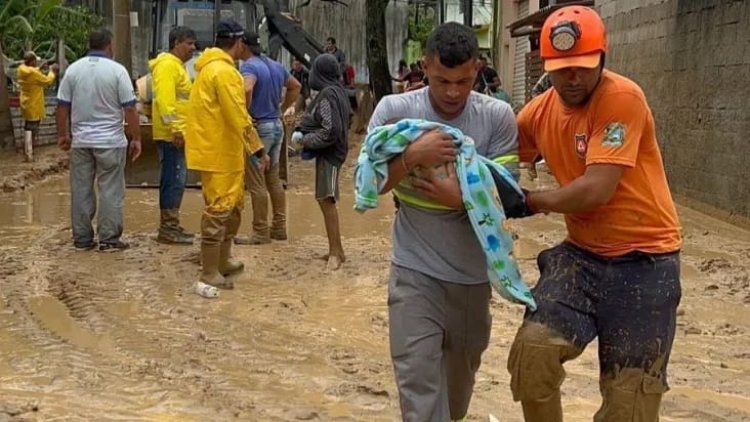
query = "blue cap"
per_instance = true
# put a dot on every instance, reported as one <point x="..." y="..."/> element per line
<point x="228" y="28"/>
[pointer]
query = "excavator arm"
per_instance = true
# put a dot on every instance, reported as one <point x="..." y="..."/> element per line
<point x="286" y="31"/>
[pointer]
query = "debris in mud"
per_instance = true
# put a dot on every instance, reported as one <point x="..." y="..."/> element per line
<point x="712" y="287"/>
<point x="27" y="174"/>
<point x="14" y="411"/>
<point x="693" y="330"/>
<point x="205" y="290"/>
<point x="713" y="265"/>
<point x="306" y="415"/>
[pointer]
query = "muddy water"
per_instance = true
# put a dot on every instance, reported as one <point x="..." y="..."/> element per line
<point x="120" y="336"/>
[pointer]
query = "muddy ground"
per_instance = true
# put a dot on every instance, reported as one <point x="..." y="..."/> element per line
<point x="120" y="336"/>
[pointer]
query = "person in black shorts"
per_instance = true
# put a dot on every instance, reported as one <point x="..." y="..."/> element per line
<point x="323" y="135"/>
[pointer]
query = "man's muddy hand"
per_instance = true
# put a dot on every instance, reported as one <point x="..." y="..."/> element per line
<point x="135" y="149"/>
<point x="63" y="142"/>
<point x="178" y="140"/>
<point x="432" y="149"/>
<point x="446" y="190"/>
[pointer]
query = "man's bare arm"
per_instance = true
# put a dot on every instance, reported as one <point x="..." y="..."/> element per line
<point x="249" y="85"/>
<point x="594" y="189"/>
<point x="134" y="130"/>
<point x="293" y="89"/>
<point x="432" y="149"/>
<point x="62" y="116"/>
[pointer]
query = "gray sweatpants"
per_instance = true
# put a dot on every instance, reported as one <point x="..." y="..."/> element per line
<point x="107" y="167"/>
<point x="438" y="331"/>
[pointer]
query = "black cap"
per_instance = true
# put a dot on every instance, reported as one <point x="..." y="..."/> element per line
<point x="251" y="39"/>
<point x="228" y="28"/>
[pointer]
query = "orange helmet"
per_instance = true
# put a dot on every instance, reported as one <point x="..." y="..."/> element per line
<point x="573" y="36"/>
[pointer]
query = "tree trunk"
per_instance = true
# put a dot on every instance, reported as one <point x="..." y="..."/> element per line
<point x="123" y="52"/>
<point x="377" y="49"/>
<point x="7" y="140"/>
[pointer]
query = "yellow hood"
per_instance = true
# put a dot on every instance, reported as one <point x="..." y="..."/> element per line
<point x="162" y="57"/>
<point x="211" y="55"/>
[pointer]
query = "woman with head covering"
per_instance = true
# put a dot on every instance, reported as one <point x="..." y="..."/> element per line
<point x="322" y="134"/>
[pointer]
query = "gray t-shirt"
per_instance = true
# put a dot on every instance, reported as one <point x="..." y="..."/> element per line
<point x="442" y="244"/>
<point x="97" y="88"/>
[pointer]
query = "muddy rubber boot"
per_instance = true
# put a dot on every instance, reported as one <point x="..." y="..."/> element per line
<point x="169" y="229"/>
<point x="210" y="259"/>
<point x="213" y="229"/>
<point x="227" y="265"/>
<point x="278" y="204"/>
<point x="28" y="145"/>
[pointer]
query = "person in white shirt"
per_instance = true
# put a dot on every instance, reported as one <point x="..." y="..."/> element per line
<point x="95" y="94"/>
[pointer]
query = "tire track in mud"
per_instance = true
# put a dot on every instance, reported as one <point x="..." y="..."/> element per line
<point x="132" y="349"/>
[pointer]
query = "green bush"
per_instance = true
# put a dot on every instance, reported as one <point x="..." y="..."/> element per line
<point x="37" y="24"/>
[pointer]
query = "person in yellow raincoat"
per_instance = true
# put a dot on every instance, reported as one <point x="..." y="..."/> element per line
<point x="219" y="134"/>
<point x="33" y="82"/>
<point x="171" y="91"/>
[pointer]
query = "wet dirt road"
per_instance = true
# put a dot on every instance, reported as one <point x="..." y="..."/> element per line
<point x="121" y="336"/>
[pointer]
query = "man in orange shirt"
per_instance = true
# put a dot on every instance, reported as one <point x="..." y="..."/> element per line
<point x="616" y="276"/>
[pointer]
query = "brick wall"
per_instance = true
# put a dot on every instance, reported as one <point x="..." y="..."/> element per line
<point x="47" y="129"/>
<point x="692" y="59"/>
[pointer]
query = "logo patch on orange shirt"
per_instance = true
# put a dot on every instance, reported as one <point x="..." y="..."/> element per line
<point x="582" y="145"/>
<point x="614" y="136"/>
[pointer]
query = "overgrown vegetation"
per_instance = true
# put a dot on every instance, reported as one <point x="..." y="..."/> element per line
<point x="421" y="22"/>
<point x="37" y="24"/>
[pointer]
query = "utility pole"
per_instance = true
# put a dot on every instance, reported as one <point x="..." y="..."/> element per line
<point x="217" y="15"/>
<point x="121" y="23"/>
<point x="469" y="13"/>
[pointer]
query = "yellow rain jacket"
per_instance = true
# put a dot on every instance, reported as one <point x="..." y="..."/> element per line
<point x="171" y="93"/>
<point x="33" y="82"/>
<point x="219" y="131"/>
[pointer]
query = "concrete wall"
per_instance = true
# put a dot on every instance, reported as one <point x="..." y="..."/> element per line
<point x="692" y="59"/>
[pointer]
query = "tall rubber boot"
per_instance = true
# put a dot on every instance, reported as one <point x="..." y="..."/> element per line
<point x="213" y="230"/>
<point x="28" y="145"/>
<point x="227" y="265"/>
<point x="169" y="229"/>
<point x="278" y="204"/>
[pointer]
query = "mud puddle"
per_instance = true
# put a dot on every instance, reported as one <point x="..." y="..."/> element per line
<point x="121" y="336"/>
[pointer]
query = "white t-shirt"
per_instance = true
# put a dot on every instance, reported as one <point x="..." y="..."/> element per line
<point x="97" y="88"/>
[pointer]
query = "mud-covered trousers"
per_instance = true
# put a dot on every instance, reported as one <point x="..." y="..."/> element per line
<point x="438" y="331"/>
<point x="106" y="167"/>
<point x="223" y="194"/>
<point x="628" y="302"/>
